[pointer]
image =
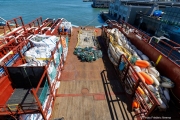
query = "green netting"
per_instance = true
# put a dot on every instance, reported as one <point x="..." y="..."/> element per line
<point x="88" y="54"/>
<point x="67" y="39"/>
<point x="99" y="54"/>
<point x="133" y="59"/>
<point x="95" y="55"/>
<point x="53" y="73"/>
<point x="60" y="49"/>
<point x="44" y="92"/>
<point x="77" y="51"/>
<point x="57" y="58"/>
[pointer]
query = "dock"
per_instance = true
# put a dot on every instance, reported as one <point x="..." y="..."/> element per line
<point x="90" y="90"/>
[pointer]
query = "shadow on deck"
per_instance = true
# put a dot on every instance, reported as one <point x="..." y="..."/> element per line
<point x="118" y="102"/>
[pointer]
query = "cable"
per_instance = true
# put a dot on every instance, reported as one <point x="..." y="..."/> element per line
<point x="174" y="95"/>
<point x="90" y="22"/>
<point x="27" y="76"/>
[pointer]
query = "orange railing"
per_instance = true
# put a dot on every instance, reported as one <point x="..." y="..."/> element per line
<point x="16" y="27"/>
<point x="14" y="109"/>
<point x="35" y="23"/>
<point x="16" y="52"/>
<point x="23" y="108"/>
<point x="16" y="44"/>
<point x="54" y="27"/>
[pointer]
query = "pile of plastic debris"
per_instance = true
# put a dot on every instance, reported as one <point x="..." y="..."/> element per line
<point x="88" y="54"/>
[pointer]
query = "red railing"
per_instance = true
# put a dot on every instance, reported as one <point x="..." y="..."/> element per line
<point x="13" y="49"/>
<point x="16" y="44"/>
<point x="46" y="23"/>
<point x="131" y="80"/>
<point x="51" y="85"/>
<point x="168" y="48"/>
<point x="14" y="109"/>
<point x="35" y="23"/>
<point x="54" y="27"/>
<point x="16" y="27"/>
<point x="21" y="109"/>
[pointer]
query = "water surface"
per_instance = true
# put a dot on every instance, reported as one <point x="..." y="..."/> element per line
<point x="78" y="12"/>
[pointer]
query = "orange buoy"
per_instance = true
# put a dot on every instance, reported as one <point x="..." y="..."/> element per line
<point x="135" y="104"/>
<point x="141" y="77"/>
<point x="147" y="78"/>
<point x="142" y="63"/>
<point x="135" y="77"/>
<point x="140" y="90"/>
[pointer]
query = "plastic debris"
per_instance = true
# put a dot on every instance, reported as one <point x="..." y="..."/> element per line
<point x="88" y="54"/>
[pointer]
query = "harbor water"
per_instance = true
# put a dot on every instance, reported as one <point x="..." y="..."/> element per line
<point x="76" y="11"/>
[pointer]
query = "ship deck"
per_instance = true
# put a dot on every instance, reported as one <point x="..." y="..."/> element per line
<point x="90" y="91"/>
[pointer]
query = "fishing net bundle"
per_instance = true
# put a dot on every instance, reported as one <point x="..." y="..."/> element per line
<point x="88" y="54"/>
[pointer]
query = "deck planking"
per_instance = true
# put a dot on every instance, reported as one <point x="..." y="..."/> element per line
<point x="90" y="91"/>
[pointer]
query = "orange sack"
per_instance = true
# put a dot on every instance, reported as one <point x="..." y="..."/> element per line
<point x="142" y="63"/>
<point x="147" y="78"/>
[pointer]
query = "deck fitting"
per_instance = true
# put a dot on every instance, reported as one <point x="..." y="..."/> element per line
<point x="85" y="91"/>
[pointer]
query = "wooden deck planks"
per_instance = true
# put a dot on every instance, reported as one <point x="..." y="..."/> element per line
<point x="75" y="87"/>
<point x="70" y="113"/>
<point x="59" y="108"/>
<point x="110" y="102"/>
